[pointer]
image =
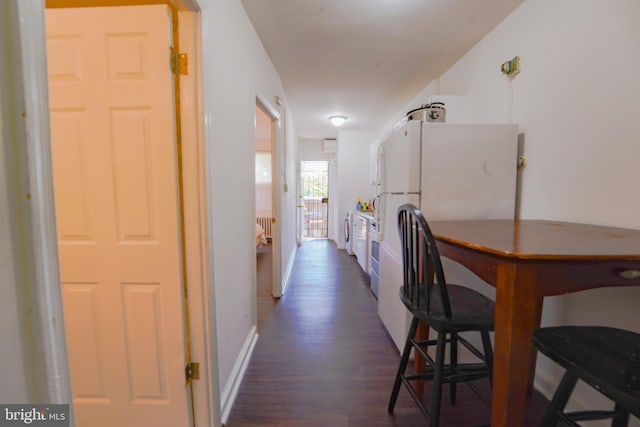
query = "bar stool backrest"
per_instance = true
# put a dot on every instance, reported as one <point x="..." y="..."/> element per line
<point x="424" y="282"/>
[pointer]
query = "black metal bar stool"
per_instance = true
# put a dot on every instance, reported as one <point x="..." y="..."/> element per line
<point x="608" y="359"/>
<point x="448" y="309"/>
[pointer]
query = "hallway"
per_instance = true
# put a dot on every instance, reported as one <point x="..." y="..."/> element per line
<point x="323" y="357"/>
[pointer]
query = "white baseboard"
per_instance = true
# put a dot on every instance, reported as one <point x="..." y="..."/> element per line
<point x="230" y="390"/>
<point x="545" y="383"/>
<point x="287" y="273"/>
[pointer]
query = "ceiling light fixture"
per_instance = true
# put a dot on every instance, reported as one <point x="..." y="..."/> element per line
<point x="338" y="121"/>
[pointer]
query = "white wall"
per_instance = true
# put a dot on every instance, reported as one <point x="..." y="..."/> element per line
<point x="236" y="69"/>
<point x="311" y="149"/>
<point x="353" y="174"/>
<point x="576" y="101"/>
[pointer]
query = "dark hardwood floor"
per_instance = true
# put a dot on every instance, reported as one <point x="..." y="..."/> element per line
<point x="323" y="357"/>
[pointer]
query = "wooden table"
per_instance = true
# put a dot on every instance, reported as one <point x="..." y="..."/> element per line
<point x="527" y="260"/>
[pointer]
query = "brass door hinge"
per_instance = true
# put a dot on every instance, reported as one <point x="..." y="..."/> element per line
<point x="179" y="62"/>
<point x="192" y="371"/>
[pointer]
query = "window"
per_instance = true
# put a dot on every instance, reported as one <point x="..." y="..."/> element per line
<point x="263" y="167"/>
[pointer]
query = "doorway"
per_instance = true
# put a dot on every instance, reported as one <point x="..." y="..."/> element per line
<point x="265" y="201"/>
<point x="314" y="177"/>
<point x="117" y="157"/>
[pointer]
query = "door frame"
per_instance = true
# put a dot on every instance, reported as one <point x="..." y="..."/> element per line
<point x="277" y="142"/>
<point x="46" y="343"/>
<point x="334" y="231"/>
<point x="329" y="196"/>
<point x="202" y="315"/>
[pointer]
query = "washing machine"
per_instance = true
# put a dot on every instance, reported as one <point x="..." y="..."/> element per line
<point x="348" y="233"/>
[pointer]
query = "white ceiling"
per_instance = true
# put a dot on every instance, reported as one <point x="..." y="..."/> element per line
<point x="365" y="59"/>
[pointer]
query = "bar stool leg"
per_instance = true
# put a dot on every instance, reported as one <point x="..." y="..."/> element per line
<point x="437" y="380"/>
<point x="488" y="354"/>
<point x="403" y="364"/>
<point x="620" y="418"/>
<point x="453" y="351"/>
<point x="559" y="400"/>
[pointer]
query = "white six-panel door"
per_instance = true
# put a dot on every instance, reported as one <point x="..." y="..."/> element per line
<point x="114" y="153"/>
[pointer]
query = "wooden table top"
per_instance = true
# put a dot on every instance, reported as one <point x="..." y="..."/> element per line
<point x="540" y="239"/>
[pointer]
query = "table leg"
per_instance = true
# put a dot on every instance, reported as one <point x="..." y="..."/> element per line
<point x="518" y="312"/>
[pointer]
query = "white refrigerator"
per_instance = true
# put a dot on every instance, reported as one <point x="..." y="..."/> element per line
<point x="450" y="171"/>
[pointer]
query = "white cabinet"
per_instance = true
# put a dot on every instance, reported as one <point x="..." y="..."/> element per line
<point x="361" y="244"/>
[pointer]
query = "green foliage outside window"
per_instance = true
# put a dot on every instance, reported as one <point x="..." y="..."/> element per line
<point x="315" y="179"/>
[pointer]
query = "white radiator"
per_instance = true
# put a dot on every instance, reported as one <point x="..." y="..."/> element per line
<point x="265" y="222"/>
